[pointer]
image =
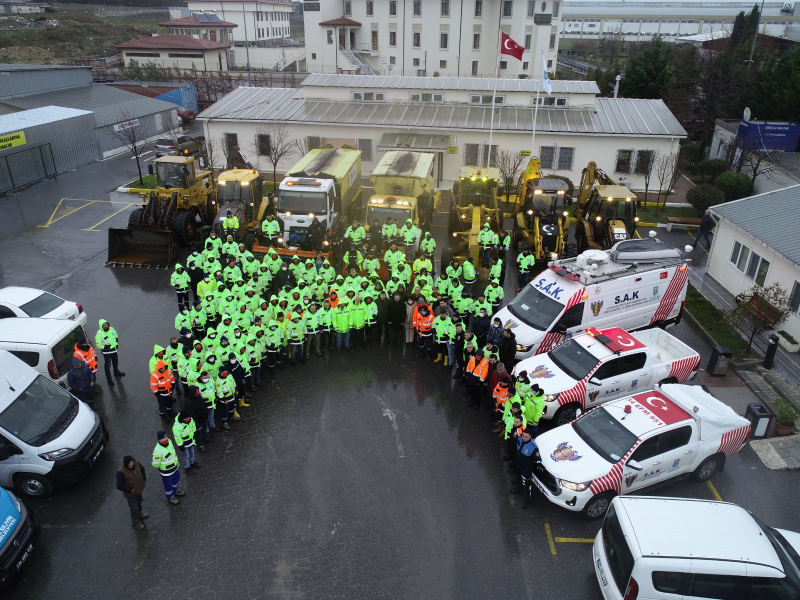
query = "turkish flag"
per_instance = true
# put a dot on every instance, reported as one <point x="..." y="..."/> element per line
<point x="510" y="47"/>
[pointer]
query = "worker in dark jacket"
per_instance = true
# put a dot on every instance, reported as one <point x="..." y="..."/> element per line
<point x="382" y="318"/>
<point x="81" y="381"/>
<point x="706" y="225"/>
<point x="284" y="277"/>
<point x="131" y="481"/>
<point x="480" y="327"/>
<point x="508" y="347"/>
<point x="396" y="317"/>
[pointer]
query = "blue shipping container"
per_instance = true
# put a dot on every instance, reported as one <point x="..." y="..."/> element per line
<point x="185" y="96"/>
<point x="770" y="136"/>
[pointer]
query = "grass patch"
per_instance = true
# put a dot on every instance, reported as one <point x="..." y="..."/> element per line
<point x="149" y="182"/>
<point x="716" y="323"/>
<point x="647" y="214"/>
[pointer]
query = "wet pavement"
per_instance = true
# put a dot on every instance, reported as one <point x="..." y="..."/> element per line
<point x="358" y="475"/>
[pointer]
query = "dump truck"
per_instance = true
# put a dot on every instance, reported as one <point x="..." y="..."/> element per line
<point x="170" y="216"/>
<point x="325" y="183"/>
<point x="402" y="185"/>
<point x="605" y="212"/>
<point x="242" y="192"/>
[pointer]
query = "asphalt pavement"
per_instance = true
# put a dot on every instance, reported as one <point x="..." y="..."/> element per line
<point x="358" y="475"/>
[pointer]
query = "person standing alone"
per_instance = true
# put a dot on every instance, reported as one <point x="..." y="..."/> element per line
<point x="131" y="481"/>
<point x="108" y="341"/>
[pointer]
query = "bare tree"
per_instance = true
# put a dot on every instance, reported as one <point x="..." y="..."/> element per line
<point x="667" y="173"/>
<point x="509" y="164"/>
<point x="211" y="149"/>
<point x="273" y="142"/>
<point x="645" y="163"/>
<point x="759" y="309"/>
<point x="755" y="161"/>
<point x="302" y="146"/>
<point x="132" y="135"/>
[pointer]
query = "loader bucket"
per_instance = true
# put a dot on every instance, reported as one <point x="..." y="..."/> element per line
<point x="144" y="247"/>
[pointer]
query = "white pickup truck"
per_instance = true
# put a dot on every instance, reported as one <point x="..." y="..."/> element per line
<point x="599" y="366"/>
<point x="631" y="443"/>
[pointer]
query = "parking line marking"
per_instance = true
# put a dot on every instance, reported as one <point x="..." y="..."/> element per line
<point x="145" y="552"/>
<point x="46" y="526"/>
<point x="550" y="538"/>
<point x="579" y="540"/>
<point x="52" y="220"/>
<point x="92" y="228"/>
<point x="714" y="491"/>
<point x="698" y="243"/>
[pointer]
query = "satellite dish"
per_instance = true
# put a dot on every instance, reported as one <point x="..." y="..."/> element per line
<point x="746" y="113"/>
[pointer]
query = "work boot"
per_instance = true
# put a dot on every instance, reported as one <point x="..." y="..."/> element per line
<point x="236" y="416"/>
<point x="144" y="516"/>
<point x="244" y="404"/>
<point x="173" y="501"/>
<point x="180" y="493"/>
<point x="498" y="429"/>
<point x="119" y="374"/>
<point x="439" y="358"/>
<point x="139" y="525"/>
<point x="225" y="426"/>
<point x="196" y="465"/>
<point x="446" y="360"/>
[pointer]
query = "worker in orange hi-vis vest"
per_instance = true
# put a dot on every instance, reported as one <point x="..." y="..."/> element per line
<point x="423" y="323"/>
<point x="477" y="370"/>
<point x="161" y="381"/>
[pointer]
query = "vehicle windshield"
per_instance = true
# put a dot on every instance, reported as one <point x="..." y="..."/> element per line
<point x="302" y="202"/>
<point x="172" y="175"/>
<point x="604" y="434"/>
<point x="233" y="190"/>
<point x="789" y="559"/>
<point x="63" y="350"/>
<point x="38" y="412"/>
<point x="534" y="308"/>
<point x="575" y="360"/>
<point x="41" y="305"/>
<point x="381" y="213"/>
<point x="618" y="555"/>
<point x="477" y="192"/>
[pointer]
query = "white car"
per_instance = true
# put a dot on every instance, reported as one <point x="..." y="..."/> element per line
<point x="671" y="548"/>
<point x="628" y="444"/>
<point x="30" y="302"/>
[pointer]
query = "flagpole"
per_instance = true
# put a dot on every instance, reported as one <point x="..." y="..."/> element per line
<point x="535" y="112"/>
<point x="494" y="95"/>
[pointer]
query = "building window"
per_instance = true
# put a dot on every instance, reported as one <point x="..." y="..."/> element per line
<point x="184" y="55"/>
<point x="486" y="99"/>
<point x="794" y="299"/>
<point x="445" y="8"/>
<point x="443" y="39"/>
<point x="474" y="68"/>
<point x="330" y="36"/>
<point x="624" y="158"/>
<point x="644" y="159"/>
<point x="753" y="265"/>
<point x="392" y="8"/>
<point x="442" y="64"/>
<point x="552" y="42"/>
<point x="547" y="156"/>
<point x="471" y="154"/>
<point x="148" y="54"/>
<point x="531" y="8"/>
<point x="313" y="56"/>
<point x="503" y="64"/>
<point x="507" y="5"/>
<point x="476" y="41"/>
<point x="739" y="256"/>
<point x="392" y="60"/>
<point x="478" y="8"/>
<point x="366" y="150"/>
<point x="393" y="38"/>
<point x="555" y="9"/>
<point x="549" y="64"/>
<point x="428" y="97"/>
<point x="492" y="158"/>
<point x="263" y="145"/>
<point x="757" y="269"/>
<point x="348" y="9"/>
<point x="414" y="62"/>
<point x="528" y="37"/>
<point x="231" y="141"/>
<point x="566" y="156"/>
<point x="369" y="8"/>
<point x="416" y="41"/>
<point x="417" y="8"/>
<point x="368" y="96"/>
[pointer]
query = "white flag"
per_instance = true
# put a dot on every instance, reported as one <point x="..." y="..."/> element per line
<point x="545" y="79"/>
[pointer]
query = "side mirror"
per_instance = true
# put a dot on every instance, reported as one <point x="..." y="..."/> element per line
<point x="560" y="327"/>
<point x="634" y="465"/>
<point x="594" y="381"/>
<point x="150" y="169"/>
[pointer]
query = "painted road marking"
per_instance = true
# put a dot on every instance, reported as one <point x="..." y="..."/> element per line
<point x="698" y="243"/>
<point x="46" y="526"/>
<point x="550" y="538"/>
<point x="575" y="540"/>
<point x="145" y="552"/>
<point x="92" y="228"/>
<point x="70" y="209"/>
<point x="714" y="491"/>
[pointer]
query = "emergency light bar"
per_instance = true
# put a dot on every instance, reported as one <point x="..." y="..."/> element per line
<point x="562" y="272"/>
<point x="605" y="340"/>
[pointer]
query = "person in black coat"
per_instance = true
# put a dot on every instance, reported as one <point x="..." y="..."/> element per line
<point x="80" y="379"/>
<point x="395" y="317"/>
<point x="316" y="233"/>
<point x="458" y="348"/>
<point x="284" y="277"/>
<point x="236" y="371"/>
<point x="195" y="406"/>
<point x="508" y="348"/>
<point x="382" y="326"/>
<point x="480" y="327"/>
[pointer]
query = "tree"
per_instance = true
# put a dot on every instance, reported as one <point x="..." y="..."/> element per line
<point x="509" y="164"/>
<point x="606" y="79"/>
<point x="132" y="135"/>
<point x="711" y="168"/>
<point x="734" y="185"/>
<point x="211" y="149"/>
<point x="649" y="72"/>
<point x="759" y="309"/>
<point x="148" y="71"/>
<point x="704" y="196"/>
<point x="273" y="142"/>
<point x="645" y="164"/>
<point x="667" y="173"/>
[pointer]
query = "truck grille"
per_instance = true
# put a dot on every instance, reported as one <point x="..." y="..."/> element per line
<point x="546" y="479"/>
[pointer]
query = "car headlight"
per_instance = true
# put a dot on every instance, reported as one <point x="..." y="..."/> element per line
<point x="521" y="348"/>
<point x="575" y="487"/>
<point x="16" y="502"/>
<point x="552" y="397"/>
<point x="55" y="454"/>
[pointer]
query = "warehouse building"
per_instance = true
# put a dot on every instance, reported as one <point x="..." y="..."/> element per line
<point x="25" y="87"/>
<point x="452" y="117"/>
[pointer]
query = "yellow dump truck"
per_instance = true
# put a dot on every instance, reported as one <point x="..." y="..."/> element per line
<point x="402" y="185"/>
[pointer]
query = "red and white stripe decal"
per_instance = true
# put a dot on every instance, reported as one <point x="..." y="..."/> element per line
<point x="683" y="369"/>
<point x="674" y="289"/>
<point x="578" y="392"/>
<point x="553" y="338"/>
<point x="613" y="480"/>
<point x="732" y="441"/>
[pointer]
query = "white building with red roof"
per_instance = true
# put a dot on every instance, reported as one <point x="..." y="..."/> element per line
<point x="182" y="51"/>
<point x="204" y="26"/>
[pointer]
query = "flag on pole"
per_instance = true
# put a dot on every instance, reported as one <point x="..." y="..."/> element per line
<point x="545" y="79"/>
<point x="510" y="47"/>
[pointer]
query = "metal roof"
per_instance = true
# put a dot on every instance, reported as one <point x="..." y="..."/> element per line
<point x="107" y="103"/>
<point x="610" y="116"/>
<point x="474" y="84"/>
<point x="761" y="216"/>
<point x="414" y="141"/>
<point x="23" y="67"/>
<point x="37" y="116"/>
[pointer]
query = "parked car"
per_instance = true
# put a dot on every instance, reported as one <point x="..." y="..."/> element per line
<point x="183" y="144"/>
<point x="18" y="533"/>
<point x="186" y="115"/>
<point x="666" y="548"/>
<point x="30" y="302"/>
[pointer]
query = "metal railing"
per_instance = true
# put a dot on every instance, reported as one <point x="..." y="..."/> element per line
<point x="25" y="167"/>
<point x="365" y="68"/>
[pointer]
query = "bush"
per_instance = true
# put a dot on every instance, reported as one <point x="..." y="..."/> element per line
<point x="786" y="413"/>
<point x="712" y="168"/>
<point x="787" y="337"/>
<point x="704" y="196"/>
<point x="733" y="185"/>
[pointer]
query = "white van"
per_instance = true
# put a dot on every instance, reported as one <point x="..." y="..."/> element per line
<point x="47" y="345"/>
<point x="653" y="548"/>
<point x="48" y="438"/>
<point x="635" y="285"/>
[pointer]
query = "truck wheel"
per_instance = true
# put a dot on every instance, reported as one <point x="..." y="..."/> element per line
<point x="566" y="414"/>
<point x="184" y="226"/>
<point x="707" y="468"/>
<point x="597" y="506"/>
<point x="453" y="224"/>
<point x="447" y="258"/>
<point x="33" y="485"/>
<point x="135" y="218"/>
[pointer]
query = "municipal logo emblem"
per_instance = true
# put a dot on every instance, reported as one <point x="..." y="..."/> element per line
<point x="541" y="372"/>
<point x="593" y="395"/>
<point x="511" y="323"/>
<point x="655" y="290"/>
<point x="565" y="452"/>
<point x="630" y="479"/>
<point x="596" y="306"/>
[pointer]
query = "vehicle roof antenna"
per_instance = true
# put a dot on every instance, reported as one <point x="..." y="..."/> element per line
<point x="11" y="387"/>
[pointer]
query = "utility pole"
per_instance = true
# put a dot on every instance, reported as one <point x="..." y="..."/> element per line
<point x="246" y="46"/>
<point x="755" y="36"/>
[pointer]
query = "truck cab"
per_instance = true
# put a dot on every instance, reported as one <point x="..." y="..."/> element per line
<point x="399" y="208"/>
<point x="299" y="200"/>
